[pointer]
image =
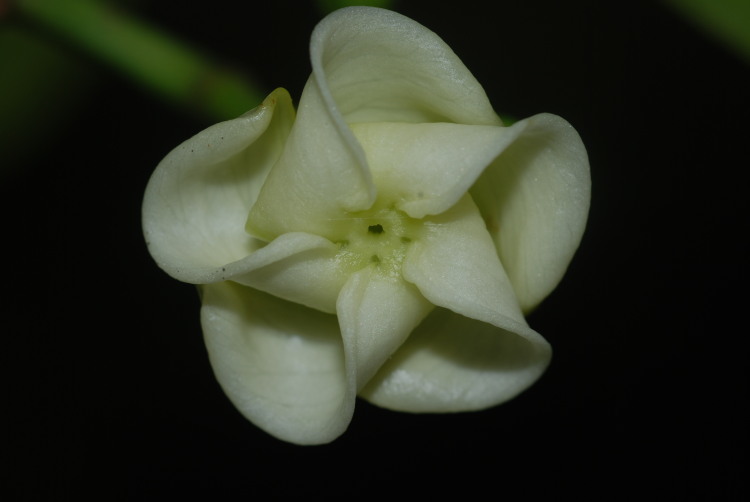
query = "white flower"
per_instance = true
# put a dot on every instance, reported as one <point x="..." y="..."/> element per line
<point x="385" y="242"/>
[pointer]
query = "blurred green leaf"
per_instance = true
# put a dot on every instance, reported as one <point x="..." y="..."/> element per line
<point x="727" y="20"/>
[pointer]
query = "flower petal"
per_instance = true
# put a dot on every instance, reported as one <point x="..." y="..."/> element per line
<point x="196" y="202"/>
<point x="321" y="174"/>
<point x="374" y="65"/>
<point x="376" y="313"/>
<point x="482" y="353"/>
<point x="454" y="264"/>
<point x="535" y="199"/>
<point x="298" y="267"/>
<point x="427" y="168"/>
<point x="281" y="364"/>
<point x="451" y="363"/>
<point x="368" y="65"/>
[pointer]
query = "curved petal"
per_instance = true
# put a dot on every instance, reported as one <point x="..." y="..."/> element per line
<point x="452" y="363"/>
<point x="487" y="351"/>
<point x="281" y="364"/>
<point x="321" y="174"/>
<point x="376" y="313"/>
<point x="196" y="201"/>
<point x="426" y="168"/>
<point x="535" y="200"/>
<point x="298" y="267"/>
<point x="454" y="264"/>
<point x="374" y="65"/>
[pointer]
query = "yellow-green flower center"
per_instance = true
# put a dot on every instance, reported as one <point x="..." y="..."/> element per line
<point x="377" y="237"/>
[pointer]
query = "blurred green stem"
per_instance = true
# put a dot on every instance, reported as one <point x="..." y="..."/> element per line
<point x="148" y="56"/>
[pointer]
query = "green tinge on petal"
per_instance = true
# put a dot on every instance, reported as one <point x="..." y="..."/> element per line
<point x="298" y="267"/>
<point x="281" y="364"/>
<point x="426" y="168"/>
<point x="535" y="199"/>
<point x="454" y="264"/>
<point x="196" y="202"/>
<point x="451" y="363"/>
<point x="321" y="174"/>
<point x="477" y="351"/>
<point x="374" y="65"/>
<point x="376" y="313"/>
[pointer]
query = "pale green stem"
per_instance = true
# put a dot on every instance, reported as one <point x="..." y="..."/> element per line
<point x="148" y="56"/>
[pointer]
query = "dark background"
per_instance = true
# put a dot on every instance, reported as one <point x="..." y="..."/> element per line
<point x="646" y="396"/>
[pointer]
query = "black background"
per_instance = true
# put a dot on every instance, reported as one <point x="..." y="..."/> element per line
<point x="646" y="395"/>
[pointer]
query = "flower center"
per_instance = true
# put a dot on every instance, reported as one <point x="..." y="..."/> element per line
<point x="377" y="237"/>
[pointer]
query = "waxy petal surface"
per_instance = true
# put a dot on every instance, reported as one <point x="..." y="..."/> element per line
<point x="427" y="168"/>
<point x="281" y="364"/>
<point x="480" y="353"/>
<point x="374" y="65"/>
<point x="451" y="363"/>
<point x="321" y="174"/>
<point x="454" y="264"/>
<point x="376" y="313"/>
<point x="197" y="200"/>
<point x="535" y="199"/>
<point x="369" y="65"/>
<point x="298" y="267"/>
